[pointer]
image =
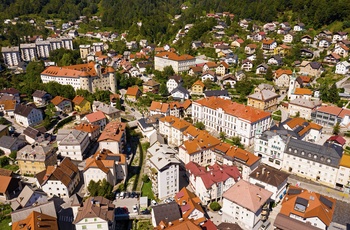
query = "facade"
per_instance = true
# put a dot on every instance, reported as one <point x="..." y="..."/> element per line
<point x="232" y="118"/>
<point x="343" y="175"/>
<point x="62" y="104"/>
<point x="9" y="144"/>
<point x="331" y="115"/>
<point x="197" y="87"/>
<point x="180" y="93"/>
<point x="303" y="107"/>
<point x="81" y="104"/>
<point x="282" y="78"/>
<point x="133" y="93"/>
<point x="246" y="204"/>
<point x="27" y="115"/>
<point x="28" y="52"/>
<point x="11" y="55"/>
<point x="150" y="86"/>
<point x="96" y="118"/>
<point x="41" y="97"/>
<point x="33" y="159"/>
<point x="173" y="82"/>
<point x="113" y="137"/>
<point x="59" y="180"/>
<point x="342" y="67"/>
<point x="178" y="63"/>
<point x="311" y="68"/>
<point x="265" y="100"/>
<point x="89" y="76"/>
<point x="72" y="143"/>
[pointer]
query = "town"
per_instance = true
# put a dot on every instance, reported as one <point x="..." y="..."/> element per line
<point x="247" y="127"/>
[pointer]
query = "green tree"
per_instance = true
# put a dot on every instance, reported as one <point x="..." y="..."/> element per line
<point x="100" y="188"/>
<point x="237" y="141"/>
<point x="222" y="135"/>
<point x="228" y="21"/>
<point x="336" y="129"/>
<point x="199" y="125"/>
<point x="215" y="206"/>
<point x="118" y="104"/>
<point x="4" y="161"/>
<point x="13" y="155"/>
<point x="269" y="74"/>
<point x="333" y="94"/>
<point x="163" y="90"/>
<point x="168" y="71"/>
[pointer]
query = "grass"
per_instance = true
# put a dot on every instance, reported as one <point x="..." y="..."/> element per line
<point x="4" y="223"/>
<point x="147" y="190"/>
<point x="11" y="167"/>
<point x="142" y="225"/>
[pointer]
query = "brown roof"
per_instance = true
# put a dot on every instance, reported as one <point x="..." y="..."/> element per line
<point x="211" y="64"/>
<point x="269" y="175"/>
<point x="174" y="56"/>
<point x="86" y="127"/>
<point x="5" y="172"/>
<point x="237" y="153"/>
<point x="188" y="202"/>
<point x="302" y="91"/>
<point x="287" y="223"/>
<point x="78" y="100"/>
<point x="113" y="131"/>
<point x="252" y="46"/>
<point x="5" y="183"/>
<point x="224" y="64"/>
<point x="133" y="91"/>
<point x="151" y="82"/>
<point x="316" y="205"/>
<point x="279" y="72"/>
<point x="58" y="99"/>
<point x="96" y="207"/>
<point x="305" y="79"/>
<point x="203" y="141"/>
<point x="8" y="104"/>
<point x="198" y="82"/>
<point x="179" y="224"/>
<point x="36" y="221"/>
<point x="268" y="42"/>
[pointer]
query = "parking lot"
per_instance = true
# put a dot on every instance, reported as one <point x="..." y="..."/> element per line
<point x="124" y="206"/>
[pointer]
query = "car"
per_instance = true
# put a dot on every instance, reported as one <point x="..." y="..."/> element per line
<point x="220" y="212"/>
<point x="132" y="109"/>
<point x="171" y="199"/>
<point x="127" y="194"/>
<point x="132" y="195"/>
<point x="154" y="202"/>
<point x="265" y="225"/>
<point x="122" y="194"/>
<point x="134" y="208"/>
<point x="167" y="200"/>
<point x="117" y="195"/>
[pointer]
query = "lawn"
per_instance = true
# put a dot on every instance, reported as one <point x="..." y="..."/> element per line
<point x="147" y="190"/>
<point x="11" y="167"/>
<point x="4" y="223"/>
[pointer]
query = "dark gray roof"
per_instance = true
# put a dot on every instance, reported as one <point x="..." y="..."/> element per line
<point x="24" y="110"/>
<point x="47" y="208"/>
<point x="263" y="65"/>
<point x="39" y="93"/>
<point x="166" y="212"/>
<point x="341" y="213"/>
<point x="7" y="142"/>
<point x="300" y="81"/>
<point x="216" y="93"/>
<point x="328" y="154"/>
<point x="269" y="175"/>
<point x="177" y="78"/>
<point x="181" y="89"/>
<point x="315" y="65"/>
<point x="31" y="132"/>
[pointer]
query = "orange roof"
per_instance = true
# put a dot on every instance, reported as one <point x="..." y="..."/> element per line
<point x="316" y="205"/>
<point x="198" y="82"/>
<point x="237" y="153"/>
<point x="300" y="122"/>
<point x="87" y="69"/>
<point x="174" y="56"/>
<point x="268" y="42"/>
<point x="330" y="109"/>
<point x="244" y="112"/>
<point x="345" y="161"/>
<point x="302" y="91"/>
<point x="279" y="72"/>
<point x="113" y="131"/>
<point x="285" y="46"/>
<point x="36" y="221"/>
<point x="211" y="64"/>
<point x="132" y="91"/>
<point x="96" y="116"/>
<point x="159" y="106"/>
<point x="203" y="141"/>
<point x="180" y="224"/>
<point x="86" y="127"/>
<point x="305" y="79"/>
<point x="97" y="162"/>
<point x="252" y="46"/>
<point x="188" y="202"/>
<point x="224" y="64"/>
<point x="58" y="99"/>
<point x="5" y="181"/>
<point x="78" y="100"/>
<point x="102" y="154"/>
<point x="8" y="104"/>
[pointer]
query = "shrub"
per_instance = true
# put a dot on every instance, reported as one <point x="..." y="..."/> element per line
<point x="215" y="206"/>
<point x="145" y="178"/>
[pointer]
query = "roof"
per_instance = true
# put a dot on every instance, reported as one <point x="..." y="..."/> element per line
<point x="133" y="91"/>
<point x="8" y="184"/>
<point x="240" y="111"/>
<point x="308" y="204"/>
<point x="48" y="208"/>
<point x="151" y="82"/>
<point x="11" y="91"/>
<point x="8" y="104"/>
<point x="106" y="108"/>
<point x="87" y="127"/>
<point x="268" y="41"/>
<point x="188" y="202"/>
<point x="36" y="221"/>
<point x="166" y="212"/>
<point x="180" y="89"/>
<point x="334" y="110"/>
<point x="178" y="78"/>
<point x="95" y="116"/>
<point x="228" y="226"/>
<point x="224" y="64"/>
<point x="286" y="223"/>
<point x="70" y="137"/>
<point x="24" y="110"/>
<point x="58" y="100"/>
<point x="75" y="71"/>
<point x="5" y="172"/>
<point x="161" y="160"/>
<point x="199" y="82"/>
<point x="96" y="207"/>
<point x="302" y="91"/>
<point x="26" y="194"/>
<point x="345" y="161"/>
<point x="7" y="142"/>
<point x="337" y="139"/>
<point x="159" y="107"/>
<point x="39" y="93"/>
<point x="174" y="56"/>
<point x="237" y="153"/>
<point x="279" y="72"/>
<point x="247" y="195"/>
<point x="305" y="103"/>
<point x="113" y="131"/>
<point x="179" y="224"/>
<point x="252" y="46"/>
<point x="263" y="95"/>
<point x="216" y="93"/>
<point x="34" y="153"/>
<point x="269" y="175"/>
<point x="203" y="141"/>
<point x="78" y="100"/>
<point x="300" y="125"/>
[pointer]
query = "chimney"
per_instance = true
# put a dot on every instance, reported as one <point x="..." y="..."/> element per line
<point x="258" y="197"/>
<point x="170" y="223"/>
<point x="181" y="219"/>
<point x="98" y="204"/>
<point x="263" y="171"/>
<point x="268" y="173"/>
<point x="257" y="174"/>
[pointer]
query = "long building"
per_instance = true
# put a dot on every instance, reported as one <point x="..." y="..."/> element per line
<point x="88" y="76"/>
<point x="11" y="55"/>
<point x="179" y="63"/>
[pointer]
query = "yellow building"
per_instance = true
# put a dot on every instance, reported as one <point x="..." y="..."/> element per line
<point x="33" y="159"/>
<point x="197" y="87"/>
<point x="81" y="104"/>
<point x="265" y="100"/>
<point x="133" y="93"/>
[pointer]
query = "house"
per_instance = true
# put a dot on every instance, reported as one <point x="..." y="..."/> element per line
<point x="114" y="99"/>
<point x="324" y="34"/>
<point x="306" y="39"/>
<point x="149" y="125"/>
<point x="96" y="118"/>
<point x="59" y="180"/>
<point x="95" y="213"/>
<point x="180" y="93"/>
<point x="237" y="42"/>
<point x="110" y="112"/>
<point x="11" y="92"/>
<point x="339" y="36"/>
<point x="331" y="115"/>
<point x="41" y="97"/>
<point x="7" y="107"/>
<point x="133" y="93"/>
<point x="341" y="50"/>
<point x="173" y="82"/>
<point x="197" y="87"/>
<point x="197" y="44"/>
<point x="324" y="43"/>
<point x="33" y="159"/>
<point x="150" y="86"/>
<point x="332" y="59"/>
<point x="81" y="104"/>
<point x="72" y="143"/>
<point x="164" y="173"/>
<point x="300" y="93"/>
<point x="209" y="184"/>
<point x="167" y="212"/>
<point x="230" y="58"/>
<point x="299" y="27"/>
<point x="247" y="65"/>
<point x="27" y="115"/>
<point x="306" y="53"/>
<point x="33" y="135"/>
<point x="275" y="60"/>
<point x="113" y="137"/>
<point x="250" y="49"/>
<point x="265" y="100"/>
<point x="303" y="130"/>
<point x="303" y="107"/>
<point x="298" y="210"/>
<point x="28" y="197"/>
<point x="10" y="186"/>
<point x="342" y="67"/>
<point x="311" y="68"/>
<point x="270" y="179"/>
<point x="261" y="69"/>
<point x="195" y="70"/>
<point x="179" y="63"/>
<point x="264" y="86"/>
<point x="93" y="131"/>
<point x="342" y="180"/>
<point x="190" y="205"/>
<point x="47" y="208"/>
<point x="62" y="104"/>
<point x="35" y="220"/>
<point x="229" y="81"/>
<point x="208" y="75"/>
<point x="246" y="204"/>
<point x="269" y="45"/>
<point x="159" y="108"/>
<point x="222" y="69"/>
<point x="288" y="38"/>
<point x="217" y="93"/>
<point x="209" y="66"/>
<point x="9" y="144"/>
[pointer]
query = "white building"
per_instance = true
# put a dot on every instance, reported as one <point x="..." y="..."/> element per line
<point x="43" y="48"/>
<point x="96" y="118"/>
<point x="173" y="82"/>
<point x="303" y="107"/>
<point x="288" y="38"/>
<point x="234" y="119"/>
<point x="11" y="55"/>
<point x="245" y="203"/>
<point x="179" y="63"/>
<point x="59" y="180"/>
<point x="28" y="52"/>
<point x="27" y="115"/>
<point x="342" y="67"/>
<point x="343" y="175"/>
<point x="113" y="137"/>
<point x="72" y="143"/>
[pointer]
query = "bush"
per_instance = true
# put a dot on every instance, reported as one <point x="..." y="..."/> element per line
<point x="145" y="178"/>
<point x="215" y="206"/>
<point x="4" y="161"/>
<point x="62" y="123"/>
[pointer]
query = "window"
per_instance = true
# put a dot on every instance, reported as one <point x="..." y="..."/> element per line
<point x="99" y="226"/>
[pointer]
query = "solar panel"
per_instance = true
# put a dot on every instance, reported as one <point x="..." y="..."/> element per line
<point x="326" y="202"/>
<point x="294" y="191"/>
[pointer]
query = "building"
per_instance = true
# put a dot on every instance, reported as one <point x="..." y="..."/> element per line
<point x="343" y="175"/>
<point x="265" y="100"/>
<point x="7" y="107"/>
<point x="210" y="183"/>
<point x="10" y="144"/>
<point x="311" y="68"/>
<point x="342" y="67"/>
<point x="306" y="209"/>
<point x="159" y="108"/>
<point x="113" y="137"/>
<point x="331" y="115"/>
<point x="11" y="55"/>
<point x="59" y="180"/>
<point x="28" y="52"/>
<point x="166" y="213"/>
<point x="234" y="119"/>
<point x="33" y="159"/>
<point x="197" y="87"/>
<point x="81" y="104"/>
<point x="304" y="107"/>
<point x="96" y="118"/>
<point x="41" y="97"/>
<point x="150" y="86"/>
<point x="28" y="197"/>
<point x="89" y="76"/>
<point x="84" y="51"/>
<point x="164" y="174"/>
<point x="35" y="221"/>
<point x="12" y="92"/>
<point x="62" y="104"/>
<point x="109" y="111"/>
<point x="95" y="213"/>
<point x="43" y="48"/>
<point x="270" y="179"/>
<point x="178" y="63"/>
<point x="10" y="187"/>
<point x="246" y="204"/>
<point x="173" y="82"/>
<point x="47" y="208"/>
<point x="72" y="143"/>
<point x="133" y="93"/>
<point x="190" y="205"/>
<point x="92" y="130"/>
<point x="27" y="115"/>
<point x="282" y="78"/>
<point x="180" y="93"/>
<point x="4" y="130"/>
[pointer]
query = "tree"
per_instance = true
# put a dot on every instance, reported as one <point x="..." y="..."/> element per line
<point x="168" y="71"/>
<point x="222" y="135"/>
<point x="100" y="188"/>
<point x="336" y="129"/>
<point x="215" y="206"/>
<point x="118" y="105"/>
<point x="4" y="161"/>
<point x="228" y="21"/>
<point x="333" y="95"/>
<point x="237" y="141"/>
<point x="13" y="155"/>
<point x="269" y="74"/>
<point x="163" y="90"/>
<point x="200" y="125"/>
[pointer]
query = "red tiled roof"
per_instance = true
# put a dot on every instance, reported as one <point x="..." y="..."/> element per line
<point x="96" y="116"/>
<point x="132" y="91"/>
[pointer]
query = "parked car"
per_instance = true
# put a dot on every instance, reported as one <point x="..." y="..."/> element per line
<point x="220" y="212"/>
<point x="154" y="202"/>
<point x="122" y="195"/>
<point x="265" y="225"/>
<point x="117" y="195"/>
<point x="134" y="208"/>
<point x="127" y="194"/>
